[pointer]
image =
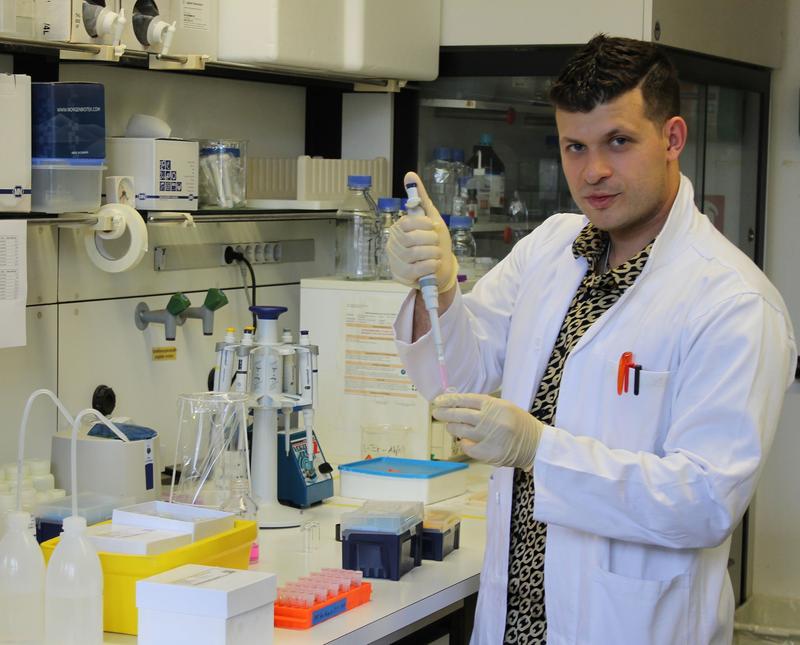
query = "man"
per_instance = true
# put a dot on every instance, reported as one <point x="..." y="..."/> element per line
<point x="642" y="361"/>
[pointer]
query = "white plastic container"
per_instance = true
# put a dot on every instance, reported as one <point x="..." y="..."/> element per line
<point x="390" y="478"/>
<point x="134" y="540"/>
<point x="21" y="583"/>
<point x="178" y="518"/>
<point x="74" y="589"/>
<point x="303" y="34"/>
<point x="15" y="132"/>
<point x="66" y="188"/>
<point x="206" y="606"/>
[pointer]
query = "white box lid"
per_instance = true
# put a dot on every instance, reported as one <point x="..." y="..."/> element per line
<point x="200" y="590"/>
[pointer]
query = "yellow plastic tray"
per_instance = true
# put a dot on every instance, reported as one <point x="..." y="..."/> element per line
<point x="120" y="572"/>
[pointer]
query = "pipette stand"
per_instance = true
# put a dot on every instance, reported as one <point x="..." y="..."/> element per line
<point x="275" y="385"/>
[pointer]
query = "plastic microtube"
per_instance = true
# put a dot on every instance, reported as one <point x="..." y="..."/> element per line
<point x="430" y="290"/>
<point x="311" y="532"/>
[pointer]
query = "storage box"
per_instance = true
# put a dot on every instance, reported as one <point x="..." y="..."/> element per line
<point x="441" y="534"/>
<point x="394" y="478"/>
<point x="164" y="171"/>
<point x="69" y="121"/>
<point x="382" y="555"/>
<point x="134" y="540"/>
<point x="95" y="507"/>
<point x="199" y="522"/>
<point x="15" y="131"/>
<point x="206" y="606"/>
<point x="382" y="539"/>
<point x="121" y="572"/>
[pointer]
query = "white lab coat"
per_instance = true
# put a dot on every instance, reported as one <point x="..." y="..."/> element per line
<point x="640" y="493"/>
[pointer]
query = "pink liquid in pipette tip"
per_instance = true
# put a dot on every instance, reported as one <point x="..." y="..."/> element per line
<point x="443" y="377"/>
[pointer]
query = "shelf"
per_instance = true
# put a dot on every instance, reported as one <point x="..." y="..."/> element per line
<point x="235" y="71"/>
<point x="499" y="227"/>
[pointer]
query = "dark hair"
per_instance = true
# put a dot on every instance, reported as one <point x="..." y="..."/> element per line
<point x="606" y="68"/>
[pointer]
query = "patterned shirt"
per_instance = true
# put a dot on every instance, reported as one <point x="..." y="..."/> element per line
<point x="599" y="290"/>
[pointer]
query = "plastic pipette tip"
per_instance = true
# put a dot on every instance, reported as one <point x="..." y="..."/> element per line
<point x="443" y="377"/>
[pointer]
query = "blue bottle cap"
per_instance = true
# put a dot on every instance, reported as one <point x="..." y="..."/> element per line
<point x="460" y="221"/>
<point x="361" y="182"/>
<point x="403" y="204"/>
<point x="268" y="313"/>
<point x="446" y="218"/>
<point x="390" y="204"/>
<point x="486" y="139"/>
<point x="458" y="154"/>
<point x="442" y="153"/>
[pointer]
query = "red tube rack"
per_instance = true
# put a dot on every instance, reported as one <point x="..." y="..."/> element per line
<point x="305" y="617"/>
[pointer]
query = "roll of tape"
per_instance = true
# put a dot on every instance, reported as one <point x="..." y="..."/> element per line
<point x="99" y="249"/>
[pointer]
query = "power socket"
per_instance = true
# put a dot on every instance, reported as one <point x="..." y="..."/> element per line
<point x="255" y="252"/>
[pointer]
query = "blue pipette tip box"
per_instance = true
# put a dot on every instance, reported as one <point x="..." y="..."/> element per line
<point x="392" y="478"/>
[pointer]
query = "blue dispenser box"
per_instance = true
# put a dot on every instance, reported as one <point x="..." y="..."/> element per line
<point x="68" y="146"/>
<point x="69" y="122"/>
<point x="382" y="539"/>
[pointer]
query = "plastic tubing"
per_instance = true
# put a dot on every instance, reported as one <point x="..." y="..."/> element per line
<point x="73" y="457"/>
<point x="430" y="291"/>
<point x="23" y="426"/>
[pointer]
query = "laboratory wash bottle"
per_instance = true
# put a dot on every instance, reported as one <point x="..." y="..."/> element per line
<point x="21" y="583"/>
<point x="74" y="589"/>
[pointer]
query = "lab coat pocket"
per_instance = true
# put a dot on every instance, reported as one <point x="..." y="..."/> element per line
<point x="632" y="610"/>
<point x="635" y="417"/>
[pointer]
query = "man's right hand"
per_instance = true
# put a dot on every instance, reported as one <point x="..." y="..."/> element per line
<point x="420" y="245"/>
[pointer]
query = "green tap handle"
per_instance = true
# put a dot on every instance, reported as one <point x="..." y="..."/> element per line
<point x="215" y="299"/>
<point x="177" y="304"/>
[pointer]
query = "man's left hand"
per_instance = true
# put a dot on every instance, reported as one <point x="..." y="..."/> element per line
<point x="491" y="430"/>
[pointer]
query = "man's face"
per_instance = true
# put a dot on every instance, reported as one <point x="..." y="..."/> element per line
<point x="615" y="161"/>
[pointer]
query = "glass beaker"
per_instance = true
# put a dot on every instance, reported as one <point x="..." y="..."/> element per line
<point x="383" y="440"/>
<point x="211" y="449"/>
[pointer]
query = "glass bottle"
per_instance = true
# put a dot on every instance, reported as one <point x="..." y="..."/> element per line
<point x="357" y="232"/>
<point x="464" y="247"/>
<point x="388" y="212"/>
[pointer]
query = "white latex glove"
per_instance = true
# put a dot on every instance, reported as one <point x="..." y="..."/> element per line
<point x="491" y="430"/>
<point x="420" y="245"/>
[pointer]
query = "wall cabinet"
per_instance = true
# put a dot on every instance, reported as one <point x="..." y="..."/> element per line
<point x="741" y="30"/>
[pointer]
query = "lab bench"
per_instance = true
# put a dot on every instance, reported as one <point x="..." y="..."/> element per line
<point x="425" y="594"/>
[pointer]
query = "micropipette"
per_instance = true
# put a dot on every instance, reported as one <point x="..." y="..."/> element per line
<point x="430" y="290"/>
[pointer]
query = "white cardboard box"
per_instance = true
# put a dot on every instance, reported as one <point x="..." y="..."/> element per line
<point x="206" y="606"/>
<point x="199" y="522"/>
<point x="164" y="171"/>
<point x="15" y="131"/>
<point x="135" y="540"/>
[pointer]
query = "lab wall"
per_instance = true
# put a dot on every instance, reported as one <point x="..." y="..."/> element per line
<point x="81" y="330"/>
<point x="777" y="520"/>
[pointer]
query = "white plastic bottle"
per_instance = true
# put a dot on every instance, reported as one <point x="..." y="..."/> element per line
<point x="21" y="583"/>
<point x="74" y="589"/>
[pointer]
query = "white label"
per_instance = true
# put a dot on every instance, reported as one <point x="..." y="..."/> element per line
<point x="195" y="15"/>
<point x="13" y="282"/>
<point x="122" y="533"/>
<point x="204" y="577"/>
<point x="372" y="367"/>
<point x="497" y="191"/>
<point x="149" y="457"/>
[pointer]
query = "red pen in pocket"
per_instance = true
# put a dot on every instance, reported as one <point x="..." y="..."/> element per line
<point x="625" y="363"/>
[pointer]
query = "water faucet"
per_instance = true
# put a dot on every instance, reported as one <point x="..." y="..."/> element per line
<point x="171" y="317"/>
<point x="215" y="299"/>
